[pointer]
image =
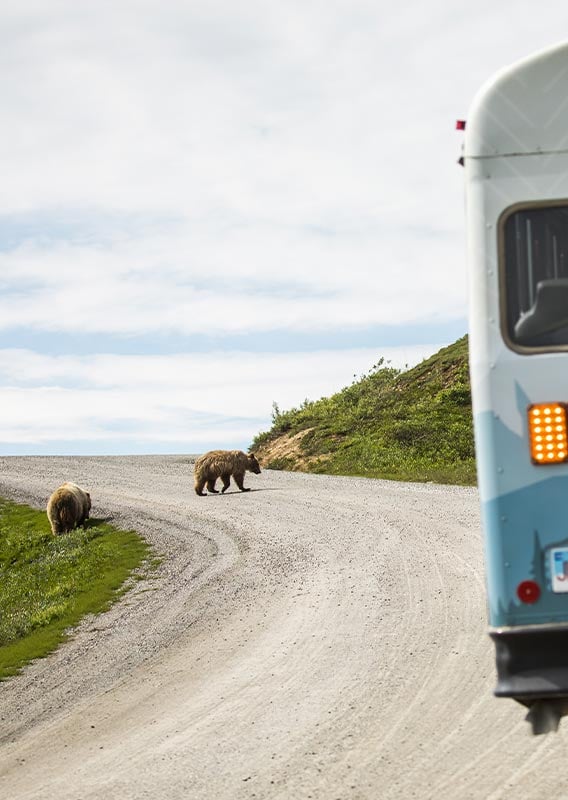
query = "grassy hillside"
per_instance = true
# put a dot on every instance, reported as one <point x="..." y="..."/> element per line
<point x="414" y="425"/>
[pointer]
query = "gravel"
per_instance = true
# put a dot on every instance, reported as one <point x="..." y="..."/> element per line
<point x="316" y="637"/>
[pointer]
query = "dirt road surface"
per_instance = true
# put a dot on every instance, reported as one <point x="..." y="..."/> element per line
<point x="315" y="637"/>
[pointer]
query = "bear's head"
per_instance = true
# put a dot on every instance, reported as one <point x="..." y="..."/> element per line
<point x="253" y="465"/>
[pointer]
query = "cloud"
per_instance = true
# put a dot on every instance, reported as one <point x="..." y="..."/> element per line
<point x="258" y="280"/>
<point x="306" y="160"/>
<point x="178" y="171"/>
<point x="208" y="398"/>
<point x="256" y="112"/>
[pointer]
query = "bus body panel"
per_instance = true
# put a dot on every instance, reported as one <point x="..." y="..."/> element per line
<point x="516" y="153"/>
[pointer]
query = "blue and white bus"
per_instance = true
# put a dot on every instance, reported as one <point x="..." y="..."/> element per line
<point x="516" y="170"/>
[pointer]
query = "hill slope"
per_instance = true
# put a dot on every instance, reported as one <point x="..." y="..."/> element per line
<point x="413" y="425"/>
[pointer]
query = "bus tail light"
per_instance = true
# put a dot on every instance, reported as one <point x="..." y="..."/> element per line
<point x="528" y="592"/>
<point x="548" y="433"/>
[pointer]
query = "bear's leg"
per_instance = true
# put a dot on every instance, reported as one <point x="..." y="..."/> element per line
<point x="226" y="478"/>
<point x="239" y="480"/>
<point x="211" y="486"/>
<point x="199" y="487"/>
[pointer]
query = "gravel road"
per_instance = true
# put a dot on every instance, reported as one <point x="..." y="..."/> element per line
<point x="316" y="637"/>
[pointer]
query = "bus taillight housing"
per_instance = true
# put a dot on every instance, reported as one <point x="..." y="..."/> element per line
<point x="548" y="433"/>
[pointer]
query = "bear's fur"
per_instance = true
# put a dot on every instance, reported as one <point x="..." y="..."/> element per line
<point x="223" y="464"/>
<point x="68" y="507"/>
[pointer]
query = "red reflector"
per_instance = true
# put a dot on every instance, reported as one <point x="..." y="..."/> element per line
<point x="528" y="591"/>
<point x="460" y="125"/>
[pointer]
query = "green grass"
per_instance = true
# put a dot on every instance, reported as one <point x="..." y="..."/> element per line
<point x="48" y="583"/>
<point x="413" y="425"/>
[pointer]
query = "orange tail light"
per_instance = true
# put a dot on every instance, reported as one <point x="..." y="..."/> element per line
<point x="548" y="433"/>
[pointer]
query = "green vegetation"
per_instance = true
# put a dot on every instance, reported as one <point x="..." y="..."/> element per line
<point x="414" y="425"/>
<point x="48" y="583"/>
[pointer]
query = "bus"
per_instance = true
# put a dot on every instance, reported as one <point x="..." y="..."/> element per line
<point x="515" y="156"/>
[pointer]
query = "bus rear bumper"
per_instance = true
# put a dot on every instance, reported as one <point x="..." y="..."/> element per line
<point x="532" y="668"/>
<point x="532" y="662"/>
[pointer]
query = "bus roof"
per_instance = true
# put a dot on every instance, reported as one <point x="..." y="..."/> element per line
<point x="523" y="110"/>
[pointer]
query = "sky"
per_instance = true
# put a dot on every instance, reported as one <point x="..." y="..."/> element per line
<point x="207" y="207"/>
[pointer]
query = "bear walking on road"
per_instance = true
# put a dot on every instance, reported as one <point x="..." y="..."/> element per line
<point x="68" y="507"/>
<point x="223" y="464"/>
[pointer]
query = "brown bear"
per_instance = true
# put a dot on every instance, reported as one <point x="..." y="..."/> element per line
<point x="222" y="464"/>
<point x="68" y="507"/>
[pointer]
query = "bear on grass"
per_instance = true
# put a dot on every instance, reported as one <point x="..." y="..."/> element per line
<point x="68" y="507"/>
<point x="223" y="464"/>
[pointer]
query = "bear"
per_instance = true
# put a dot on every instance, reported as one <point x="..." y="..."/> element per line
<point x="223" y="464"/>
<point x="68" y="508"/>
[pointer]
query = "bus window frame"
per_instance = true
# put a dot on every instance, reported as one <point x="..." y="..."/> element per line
<point x="502" y="268"/>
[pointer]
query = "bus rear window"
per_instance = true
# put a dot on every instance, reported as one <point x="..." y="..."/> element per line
<point x="536" y="277"/>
